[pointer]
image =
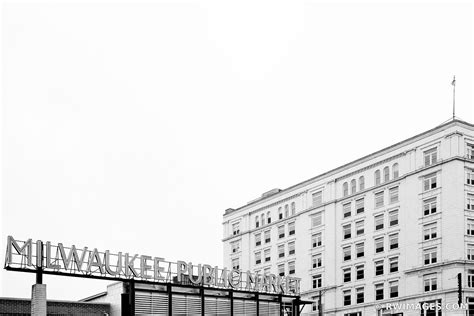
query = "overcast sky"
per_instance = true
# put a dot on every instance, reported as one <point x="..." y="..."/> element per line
<point x="132" y="127"/>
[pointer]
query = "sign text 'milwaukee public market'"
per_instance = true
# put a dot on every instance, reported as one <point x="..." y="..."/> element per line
<point x="56" y="259"/>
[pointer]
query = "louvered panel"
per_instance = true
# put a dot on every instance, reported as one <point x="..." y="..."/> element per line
<point x="223" y="307"/>
<point x="239" y="307"/>
<point x="263" y="309"/>
<point x="143" y="303"/>
<point x="159" y="304"/>
<point x="251" y="308"/>
<point x="194" y="305"/>
<point x="274" y="308"/>
<point x="210" y="305"/>
<point x="179" y="304"/>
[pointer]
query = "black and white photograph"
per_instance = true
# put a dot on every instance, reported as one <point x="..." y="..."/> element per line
<point x="233" y="158"/>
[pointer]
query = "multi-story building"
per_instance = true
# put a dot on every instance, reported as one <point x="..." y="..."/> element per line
<point x="395" y="226"/>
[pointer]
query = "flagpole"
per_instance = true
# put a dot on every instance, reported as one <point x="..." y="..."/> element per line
<point x="454" y="96"/>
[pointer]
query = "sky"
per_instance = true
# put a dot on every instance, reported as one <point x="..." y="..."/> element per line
<point x="132" y="126"/>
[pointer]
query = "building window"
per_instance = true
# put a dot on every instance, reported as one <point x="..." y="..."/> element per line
<point x="431" y="308"/>
<point x="359" y="227"/>
<point x="470" y="252"/>
<point x="470" y="278"/>
<point x="393" y="264"/>
<point x="430" y="231"/>
<point x="393" y="218"/>
<point x="316" y="219"/>
<point x="360" y="206"/>
<point x="353" y="186"/>
<point x="386" y="174"/>
<point x="281" y="231"/>
<point x="235" y="264"/>
<point x="280" y="213"/>
<point x="258" y="257"/>
<point x="236" y="228"/>
<point x="281" y="269"/>
<point x="430" y="156"/>
<point x="293" y="208"/>
<point x="360" y="295"/>
<point x="235" y="246"/>
<point x="430" y="282"/>
<point x="429" y="206"/>
<point x="347" y="297"/>
<point x="393" y="241"/>
<point x="379" y="245"/>
<point x="379" y="267"/>
<point x="316" y="240"/>
<point x="346" y="253"/>
<point x="470" y="177"/>
<point x="395" y="171"/>
<point x="266" y="254"/>
<point x="470" y="151"/>
<point x="429" y="182"/>
<point x="360" y="272"/>
<point x="470" y="202"/>
<point x="378" y="222"/>
<point x="361" y="183"/>
<point x="263" y="219"/>
<point x="291" y="248"/>
<point x="379" y="291"/>
<point x="317" y="281"/>
<point x="347" y="231"/>
<point x="266" y="235"/>
<point x="291" y="228"/>
<point x="346" y="272"/>
<point x="359" y="250"/>
<point x="345" y="189"/>
<point x="287" y="211"/>
<point x="393" y="193"/>
<point x="377" y="177"/>
<point x="269" y="218"/>
<point x="317" y="198"/>
<point x="346" y="210"/>
<point x="393" y="289"/>
<point x="257" y="222"/>
<point x="379" y="199"/>
<point x="291" y="267"/>
<point x="317" y="260"/>
<point x="281" y="251"/>
<point x="430" y="256"/>
<point x="470" y="227"/>
<point x="258" y="240"/>
<point x="315" y="303"/>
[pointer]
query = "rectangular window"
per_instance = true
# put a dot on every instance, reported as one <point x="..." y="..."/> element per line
<point x="291" y="267"/>
<point x="291" y="248"/>
<point x="267" y="255"/>
<point x="360" y="206"/>
<point x="258" y="257"/>
<point x="316" y="219"/>
<point x="347" y="297"/>
<point x="359" y="227"/>
<point x="346" y="210"/>
<point x="470" y="151"/>
<point x="281" y="269"/>
<point x="317" y="260"/>
<point x="379" y="199"/>
<point x="393" y="264"/>
<point x="317" y="281"/>
<point x="317" y="198"/>
<point x="393" y="289"/>
<point x="291" y="228"/>
<point x="430" y="231"/>
<point x="316" y="240"/>
<point x="347" y="231"/>
<point x="360" y="295"/>
<point x="258" y="240"/>
<point x="430" y="156"/>
<point x="393" y="241"/>
<point x="470" y="252"/>
<point x="235" y="246"/>
<point x="346" y="272"/>
<point x="281" y="251"/>
<point x="430" y="256"/>
<point x="266" y="235"/>
<point x="393" y="193"/>
<point x="470" y="278"/>
<point x="470" y="177"/>
<point x="235" y="264"/>
<point x="360" y="250"/>
<point x="379" y="267"/>
<point x="379" y="291"/>
<point x="430" y="282"/>
<point x="470" y="227"/>
<point x="379" y="245"/>
<point x="360" y="272"/>
<point x="236" y="228"/>
<point x="393" y="218"/>
<point x="429" y="206"/>
<point x="379" y="222"/>
<point x="429" y="182"/>
<point x="281" y="231"/>
<point x="470" y="202"/>
<point x="346" y="251"/>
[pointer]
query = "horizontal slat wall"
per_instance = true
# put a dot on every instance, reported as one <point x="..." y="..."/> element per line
<point x="186" y="304"/>
<point x="245" y="307"/>
<point x="216" y="306"/>
<point x="151" y="303"/>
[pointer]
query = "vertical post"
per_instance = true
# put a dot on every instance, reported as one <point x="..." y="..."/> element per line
<point x="202" y="301"/>
<point x="257" y="298"/>
<point x="170" y="300"/>
<point x="231" y="298"/>
<point x="459" y="289"/>
<point x="280" y="302"/>
<point x="132" y="297"/>
<point x="38" y="291"/>
<point x="320" y="303"/>
<point x="454" y="97"/>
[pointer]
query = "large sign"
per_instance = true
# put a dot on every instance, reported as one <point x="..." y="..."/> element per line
<point x="29" y="256"/>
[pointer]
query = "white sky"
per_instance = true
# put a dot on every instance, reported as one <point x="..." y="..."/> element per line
<point x="133" y="126"/>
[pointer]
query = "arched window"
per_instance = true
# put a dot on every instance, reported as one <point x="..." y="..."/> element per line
<point x="280" y="213"/>
<point x="287" y="212"/>
<point x="293" y="208"/>
<point x="377" y="177"/>
<point x="353" y="186"/>
<point x="269" y="217"/>
<point x="263" y="219"/>
<point x="361" y="183"/>
<point x="395" y="170"/>
<point x="386" y="174"/>
<point x="257" y="223"/>
<point x="345" y="189"/>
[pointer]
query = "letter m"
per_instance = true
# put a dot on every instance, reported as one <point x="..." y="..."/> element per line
<point x="25" y="251"/>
